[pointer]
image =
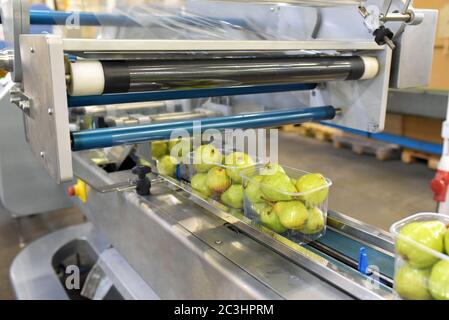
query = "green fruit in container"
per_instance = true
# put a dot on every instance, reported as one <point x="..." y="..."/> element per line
<point x="159" y="149"/>
<point x="412" y="284"/>
<point x="233" y="197"/>
<point x="199" y="183"/>
<point x="270" y="169"/>
<point x="446" y="242"/>
<point x="261" y="208"/>
<point x="315" y="223"/>
<point x="275" y="186"/>
<point x="217" y="180"/>
<point x="180" y="147"/>
<point x="271" y="220"/>
<point x="238" y="162"/>
<point x="429" y="234"/>
<point x="206" y="157"/>
<point x="253" y="191"/>
<point x="309" y="182"/>
<point x="292" y="214"/>
<point x="167" y="166"/>
<point x="439" y="280"/>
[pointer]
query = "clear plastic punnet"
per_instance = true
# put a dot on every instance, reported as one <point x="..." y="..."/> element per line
<point x="421" y="257"/>
<point x="290" y="202"/>
<point x="215" y="173"/>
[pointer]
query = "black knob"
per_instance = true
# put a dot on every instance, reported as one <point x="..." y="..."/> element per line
<point x="143" y="184"/>
<point x="382" y="35"/>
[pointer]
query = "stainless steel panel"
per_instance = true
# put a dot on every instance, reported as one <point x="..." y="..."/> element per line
<point x="25" y="188"/>
<point x="48" y="123"/>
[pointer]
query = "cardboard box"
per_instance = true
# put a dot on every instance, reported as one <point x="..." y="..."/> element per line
<point x="394" y="123"/>
<point x="422" y="128"/>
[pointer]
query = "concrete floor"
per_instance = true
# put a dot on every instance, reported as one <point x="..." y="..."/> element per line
<point x="377" y="193"/>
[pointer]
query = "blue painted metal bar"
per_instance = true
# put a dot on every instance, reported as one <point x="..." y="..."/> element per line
<point x="108" y="137"/>
<point x="182" y="94"/>
<point x="422" y="146"/>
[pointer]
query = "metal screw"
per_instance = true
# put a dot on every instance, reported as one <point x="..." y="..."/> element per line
<point x="272" y="9"/>
<point x="32" y="50"/>
<point x="218" y="242"/>
<point x="50" y="111"/>
<point x="42" y="154"/>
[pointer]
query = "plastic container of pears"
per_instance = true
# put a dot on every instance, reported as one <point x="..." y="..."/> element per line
<point x="422" y="271"/>
<point x="227" y="189"/>
<point x="272" y="200"/>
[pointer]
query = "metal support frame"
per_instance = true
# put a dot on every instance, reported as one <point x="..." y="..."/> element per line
<point x="16" y="21"/>
<point x="47" y="123"/>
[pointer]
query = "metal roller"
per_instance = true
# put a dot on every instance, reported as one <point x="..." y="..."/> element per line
<point x="108" y="137"/>
<point x="89" y="77"/>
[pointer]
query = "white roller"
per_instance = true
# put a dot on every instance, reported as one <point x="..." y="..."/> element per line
<point x="87" y="78"/>
<point x="371" y="68"/>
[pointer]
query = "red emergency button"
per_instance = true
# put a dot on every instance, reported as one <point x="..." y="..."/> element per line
<point x="71" y="191"/>
<point x="439" y="186"/>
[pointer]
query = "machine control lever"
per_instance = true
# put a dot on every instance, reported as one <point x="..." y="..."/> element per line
<point x="143" y="183"/>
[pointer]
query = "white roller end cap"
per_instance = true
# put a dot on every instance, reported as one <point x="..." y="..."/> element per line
<point x="371" y="68"/>
<point x="87" y="78"/>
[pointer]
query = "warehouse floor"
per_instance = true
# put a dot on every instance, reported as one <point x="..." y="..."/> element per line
<point x="377" y="193"/>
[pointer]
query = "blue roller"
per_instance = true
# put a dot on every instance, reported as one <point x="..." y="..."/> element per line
<point x="108" y="137"/>
<point x="118" y="98"/>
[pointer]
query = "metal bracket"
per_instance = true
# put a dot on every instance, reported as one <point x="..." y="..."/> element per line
<point x="47" y="122"/>
<point x="15" y="21"/>
<point x="21" y="100"/>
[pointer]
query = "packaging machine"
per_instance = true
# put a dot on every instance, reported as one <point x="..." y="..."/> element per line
<point x="90" y="107"/>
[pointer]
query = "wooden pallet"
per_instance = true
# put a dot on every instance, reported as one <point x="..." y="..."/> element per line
<point x="314" y="130"/>
<point x="412" y="156"/>
<point x="362" y="145"/>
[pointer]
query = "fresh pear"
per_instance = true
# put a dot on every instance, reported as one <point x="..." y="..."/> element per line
<point x="237" y="162"/>
<point x="217" y="180"/>
<point x="309" y="182"/>
<point x="260" y="208"/>
<point x="233" y="197"/>
<point x="429" y="234"/>
<point x="412" y="284"/>
<point x="252" y="190"/>
<point x="206" y="157"/>
<point x="270" y="169"/>
<point x="167" y="166"/>
<point x="315" y="223"/>
<point x="274" y="187"/>
<point x="271" y="220"/>
<point x="180" y="147"/>
<point x="199" y="184"/>
<point x="446" y="242"/>
<point x="292" y="214"/>
<point x="439" y="280"/>
<point x="159" y="149"/>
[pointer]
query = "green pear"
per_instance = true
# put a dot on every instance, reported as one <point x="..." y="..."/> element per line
<point x="309" y="182"/>
<point x="274" y="187"/>
<point x="412" y="284"/>
<point x="237" y="162"/>
<point x="260" y="208"/>
<point x="271" y="220"/>
<point x="446" y="242"/>
<point x="292" y="214"/>
<point x="429" y="234"/>
<point x="159" y="149"/>
<point x="233" y="197"/>
<point x="252" y="190"/>
<point x="270" y="169"/>
<point x="179" y="148"/>
<point x="206" y="157"/>
<point x="167" y="166"/>
<point x="199" y="184"/>
<point x="217" y="180"/>
<point x="315" y="223"/>
<point x="439" y="280"/>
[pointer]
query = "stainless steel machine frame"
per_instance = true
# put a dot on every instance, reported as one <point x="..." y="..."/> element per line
<point x="224" y="257"/>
